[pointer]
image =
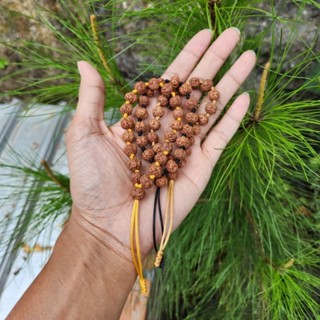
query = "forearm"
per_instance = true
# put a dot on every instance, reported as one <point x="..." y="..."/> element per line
<point x="83" y="279"/>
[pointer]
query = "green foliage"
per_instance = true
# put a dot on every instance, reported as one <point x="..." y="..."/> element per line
<point x="249" y="249"/>
<point x="3" y="63"/>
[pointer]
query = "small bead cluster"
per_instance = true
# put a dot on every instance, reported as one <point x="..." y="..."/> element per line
<point x="165" y="158"/>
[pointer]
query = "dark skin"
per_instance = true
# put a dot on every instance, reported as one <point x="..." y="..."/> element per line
<point x="90" y="272"/>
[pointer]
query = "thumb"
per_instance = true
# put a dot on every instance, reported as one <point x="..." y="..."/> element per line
<point x="90" y="108"/>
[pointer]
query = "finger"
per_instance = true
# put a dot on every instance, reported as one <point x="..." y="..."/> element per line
<point x="189" y="56"/>
<point x="90" y="108"/>
<point x="228" y="86"/>
<point x="216" y="55"/>
<point x="221" y="134"/>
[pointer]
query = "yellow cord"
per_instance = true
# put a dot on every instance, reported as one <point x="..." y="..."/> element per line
<point x="168" y="222"/>
<point x="135" y="246"/>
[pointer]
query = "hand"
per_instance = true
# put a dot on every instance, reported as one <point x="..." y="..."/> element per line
<point x="100" y="178"/>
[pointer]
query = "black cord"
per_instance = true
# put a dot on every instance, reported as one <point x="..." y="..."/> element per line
<point x="156" y="205"/>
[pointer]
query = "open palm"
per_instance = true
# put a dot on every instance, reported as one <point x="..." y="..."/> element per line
<point x="100" y="178"/>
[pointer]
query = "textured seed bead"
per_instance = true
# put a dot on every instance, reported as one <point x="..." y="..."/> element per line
<point x="127" y="123"/>
<point x="140" y="113"/>
<point x="138" y="194"/>
<point x="166" y="147"/>
<point x="187" y="130"/>
<point x="191" y="103"/>
<point x="206" y="85"/>
<point x="211" y="107"/>
<point x="170" y="136"/>
<point x="154" y="124"/>
<point x="130" y="149"/>
<point x="178" y="113"/>
<point x="189" y="151"/>
<point x="153" y="137"/>
<point x="214" y="94"/>
<point x="172" y="175"/>
<point x="163" y="100"/>
<point x="131" y="97"/>
<point x="203" y="119"/>
<point x="126" y="108"/>
<point x="196" y="130"/>
<point x="175" y="101"/>
<point x="128" y="136"/>
<point x="176" y="125"/>
<point x="171" y="166"/>
<point x="146" y="182"/>
<point x="183" y="142"/>
<point x="182" y="163"/>
<point x="141" y="126"/>
<point x="135" y="177"/>
<point x="161" y="158"/>
<point x="161" y="182"/>
<point x="175" y="81"/>
<point x="191" y="118"/>
<point x="155" y="170"/>
<point x="134" y="164"/>
<point x="158" y="111"/>
<point x="148" y="154"/>
<point x="166" y="89"/>
<point x="144" y="101"/>
<point x="154" y="84"/>
<point x="142" y="141"/>
<point x="157" y="147"/>
<point x="179" y="154"/>
<point x="140" y="87"/>
<point x="185" y="88"/>
<point x="149" y="93"/>
<point x="194" y="82"/>
<point x="191" y="140"/>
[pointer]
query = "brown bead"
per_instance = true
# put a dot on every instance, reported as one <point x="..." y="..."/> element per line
<point x="170" y="136"/>
<point x="182" y="163"/>
<point x="173" y="175"/>
<point x="175" y="101"/>
<point x="167" y="89"/>
<point x="153" y="137"/>
<point x="185" y="88"/>
<point x="178" y="113"/>
<point x="153" y="84"/>
<point x="161" y="182"/>
<point x="163" y="100"/>
<point x="140" y="87"/>
<point x="147" y="154"/>
<point x="138" y="193"/>
<point x="130" y="149"/>
<point x="191" y="118"/>
<point x="144" y="101"/>
<point x="179" y="154"/>
<point x="134" y="164"/>
<point x="188" y="151"/>
<point x="196" y="129"/>
<point x="161" y="158"/>
<point x="128" y="136"/>
<point x="131" y="97"/>
<point x="214" y="94"/>
<point x="183" y="142"/>
<point x="158" y="111"/>
<point x="191" y="140"/>
<point x="155" y="170"/>
<point x="141" y="126"/>
<point x="187" y="130"/>
<point x="206" y="85"/>
<point x="140" y="113"/>
<point x="127" y="123"/>
<point x="142" y="141"/>
<point x="171" y="166"/>
<point x="194" y="82"/>
<point x="175" y="81"/>
<point x="157" y="147"/>
<point x="146" y="182"/>
<point x="135" y="177"/>
<point x="149" y="93"/>
<point x="176" y="125"/>
<point x="167" y="147"/>
<point x="126" y="108"/>
<point x="154" y="124"/>
<point x="211" y="107"/>
<point x="203" y="119"/>
<point x="191" y="103"/>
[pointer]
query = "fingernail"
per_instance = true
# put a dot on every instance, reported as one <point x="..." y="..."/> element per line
<point x="209" y="30"/>
<point x="247" y="94"/>
<point x="236" y="29"/>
